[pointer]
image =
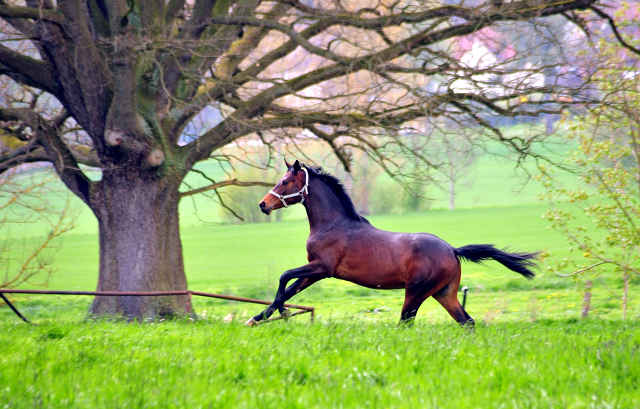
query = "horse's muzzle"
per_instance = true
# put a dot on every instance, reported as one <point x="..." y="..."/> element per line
<point x="263" y="208"/>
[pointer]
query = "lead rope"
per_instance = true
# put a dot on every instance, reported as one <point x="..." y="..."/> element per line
<point x="305" y="189"/>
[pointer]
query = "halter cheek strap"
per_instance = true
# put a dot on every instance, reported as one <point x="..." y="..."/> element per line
<point x="305" y="189"/>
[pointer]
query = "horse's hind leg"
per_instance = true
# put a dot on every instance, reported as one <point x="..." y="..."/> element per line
<point x="448" y="298"/>
<point x="412" y="303"/>
<point x="414" y="296"/>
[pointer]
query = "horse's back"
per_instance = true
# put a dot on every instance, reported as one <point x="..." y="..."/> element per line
<point x="433" y="260"/>
<point x="430" y="246"/>
<point x="381" y="259"/>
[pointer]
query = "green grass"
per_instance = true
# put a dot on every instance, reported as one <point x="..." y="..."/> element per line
<point x="331" y="364"/>
<point x="336" y="301"/>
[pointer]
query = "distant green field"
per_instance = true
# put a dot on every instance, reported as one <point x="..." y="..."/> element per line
<point x="233" y="255"/>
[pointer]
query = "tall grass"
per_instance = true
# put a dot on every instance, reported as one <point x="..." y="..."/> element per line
<point x="330" y="364"/>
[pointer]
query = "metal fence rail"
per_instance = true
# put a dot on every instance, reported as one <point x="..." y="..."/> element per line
<point x="302" y="309"/>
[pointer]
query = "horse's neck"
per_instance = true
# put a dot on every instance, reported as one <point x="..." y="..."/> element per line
<point x="322" y="205"/>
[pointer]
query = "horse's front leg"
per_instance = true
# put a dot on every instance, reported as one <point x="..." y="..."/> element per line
<point x="299" y="285"/>
<point x="306" y="276"/>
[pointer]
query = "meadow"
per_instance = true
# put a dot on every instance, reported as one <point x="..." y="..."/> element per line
<point x="333" y="363"/>
<point x="530" y="349"/>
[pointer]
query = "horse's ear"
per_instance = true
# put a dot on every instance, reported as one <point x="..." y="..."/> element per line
<point x="296" y="167"/>
<point x="287" y="163"/>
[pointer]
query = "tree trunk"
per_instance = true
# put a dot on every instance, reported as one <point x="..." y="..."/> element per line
<point x="452" y="193"/>
<point x="140" y="248"/>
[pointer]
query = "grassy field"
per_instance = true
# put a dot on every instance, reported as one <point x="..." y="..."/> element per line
<point x="216" y="261"/>
<point x="342" y="363"/>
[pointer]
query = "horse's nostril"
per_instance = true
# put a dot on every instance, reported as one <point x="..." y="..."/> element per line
<point x="262" y="205"/>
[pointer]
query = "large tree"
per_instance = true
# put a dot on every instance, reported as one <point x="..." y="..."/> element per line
<point x="114" y="84"/>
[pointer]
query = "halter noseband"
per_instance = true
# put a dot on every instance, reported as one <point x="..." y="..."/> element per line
<point x="305" y="189"/>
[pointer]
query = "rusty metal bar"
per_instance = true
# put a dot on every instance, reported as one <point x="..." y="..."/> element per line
<point x="251" y="300"/>
<point x="14" y="309"/>
<point x="110" y="293"/>
<point x="150" y="294"/>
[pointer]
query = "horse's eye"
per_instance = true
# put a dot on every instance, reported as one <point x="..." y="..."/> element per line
<point x="284" y="183"/>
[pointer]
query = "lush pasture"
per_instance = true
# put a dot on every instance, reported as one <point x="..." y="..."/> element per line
<point x="332" y="363"/>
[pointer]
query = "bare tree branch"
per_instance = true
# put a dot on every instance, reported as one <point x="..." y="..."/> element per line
<point x="233" y="182"/>
<point x="28" y="71"/>
<point x="30" y="13"/>
<point x="57" y="152"/>
<point x="515" y="10"/>
<point x="221" y="134"/>
<point x="614" y="28"/>
<point x="582" y="270"/>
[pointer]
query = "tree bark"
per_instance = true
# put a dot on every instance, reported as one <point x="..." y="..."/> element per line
<point x="452" y="193"/>
<point x="140" y="248"/>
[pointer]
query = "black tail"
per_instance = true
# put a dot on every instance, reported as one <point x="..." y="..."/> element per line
<point x="518" y="262"/>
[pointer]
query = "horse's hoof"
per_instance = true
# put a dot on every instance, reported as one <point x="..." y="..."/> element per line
<point x="286" y="312"/>
<point x="251" y="322"/>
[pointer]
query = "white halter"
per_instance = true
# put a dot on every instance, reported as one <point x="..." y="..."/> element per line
<point x="305" y="189"/>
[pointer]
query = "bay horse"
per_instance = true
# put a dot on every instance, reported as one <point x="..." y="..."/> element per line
<point x="343" y="244"/>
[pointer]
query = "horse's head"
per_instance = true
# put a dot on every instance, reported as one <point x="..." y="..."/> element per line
<point x="291" y="189"/>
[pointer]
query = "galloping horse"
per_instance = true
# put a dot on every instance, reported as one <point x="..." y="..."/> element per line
<point x="343" y="244"/>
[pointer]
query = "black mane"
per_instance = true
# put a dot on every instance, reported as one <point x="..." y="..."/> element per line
<point x="334" y="184"/>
